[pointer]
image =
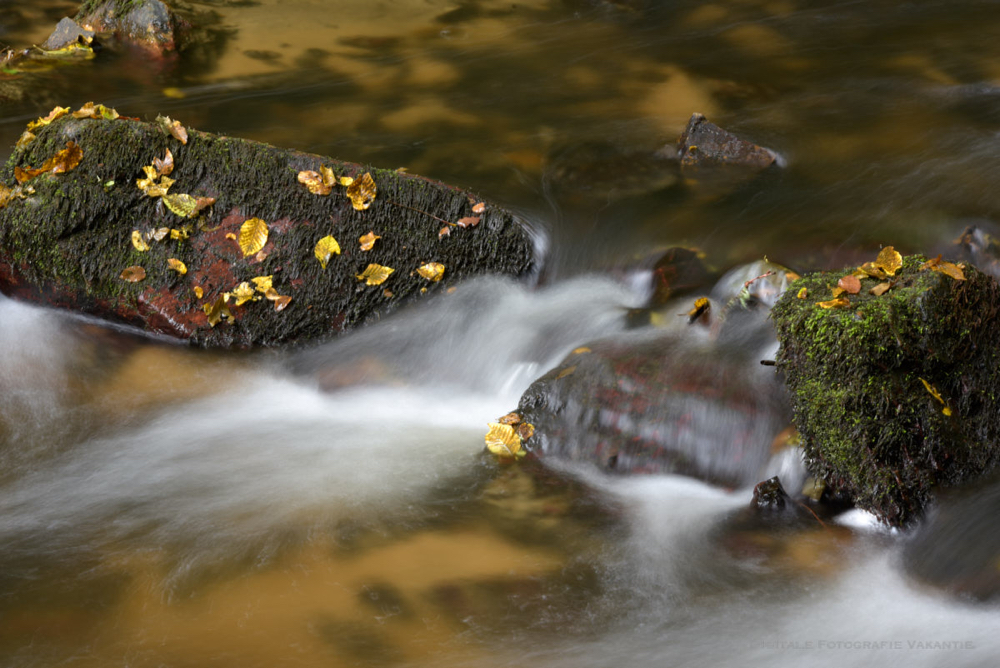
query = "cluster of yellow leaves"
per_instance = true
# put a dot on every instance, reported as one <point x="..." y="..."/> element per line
<point x="157" y="184"/>
<point x="888" y="262"/>
<point x="58" y="112"/>
<point x="174" y="128"/>
<point x="321" y="183"/>
<point x="244" y="292"/>
<point x="361" y="191"/>
<point x="505" y="436"/>
<point x="8" y="195"/>
<point x="65" y="160"/>
<point x="90" y="110"/>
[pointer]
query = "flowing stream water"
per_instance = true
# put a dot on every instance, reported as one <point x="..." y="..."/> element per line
<point x="163" y="506"/>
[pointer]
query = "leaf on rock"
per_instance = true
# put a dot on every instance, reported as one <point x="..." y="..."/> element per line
<point x="346" y="181"/>
<point x="432" y="271"/>
<point x="182" y="233"/>
<point x="177" y="266"/>
<point x="502" y="440"/>
<point x="8" y="195"/>
<point x="566" y="372"/>
<point x="479" y="208"/>
<point x="701" y="307"/>
<point x="166" y="165"/>
<point x="325" y="248"/>
<point x="133" y="274"/>
<point x="281" y="303"/>
<point x="850" y="284"/>
<point x="368" y="240"/>
<point x="840" y="302"/>
<point x="362" y="191"/>
<point x="444" y="232"/>
<point x="90" y="110"/>
<point x="65" y="160"/>
<point x="139" y="243"/>
<point x="217" y="310"/>
<point x="837" y="291"/>
<point x="198" y="292"/>
<point x="581" y="350"/>
<point x="243" y="293"/>
<point x="253" y="236"/>
<point x="468" y="221"/>
<point x="262" y="283"/>
<point x="525" y="430"/>
<point x="510" y="418"/>
<point x="329" y="178"/>
<point x="58" y="112"/>
<point x="872" y="270"/>
<point x="375" y="274"/>
<point x="314" y="182"/>
<point x="159" y="234"/>
<point x="889" y="260"/>
<point x="951" y="269"/>
<point x="880" y="289"/>
<point x="175" y="128"/>
<point x="803" y="293"/>
<point x="230" y="235"/>
<point x="26" y="138"/>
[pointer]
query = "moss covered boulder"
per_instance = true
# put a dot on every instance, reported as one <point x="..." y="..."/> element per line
<point x="68" y="234"/>
<point x="894" y="392"/>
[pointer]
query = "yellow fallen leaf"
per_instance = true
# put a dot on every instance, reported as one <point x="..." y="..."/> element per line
<point x="253" y="236"/>
<point x="880" y="289"/>
<point x="8" y="195"/>
<point x="840" y="302"/>
<point x="58" y="112"/>
<point x="187" y="206"/>
<point x="951" y="269"/>
<point x="932" y="390"/>
<point x="139" y="243"/>
<point x="346" y="180"/>
<point x="375" y="274"/>
<point x="872" y="270"/>
<point x="159" y="234"/>
<point x="314" y="182"/>
<point x="889" y="261"/>
<point x="803" y="293"/>
<point x="262" y="283"/>
<point x="525" y="430"/>
<point x="368" y="240"/>
<point x="432" y="271"/>
<point x="230" y="235"/>
<point x="178" y="266"/>
<point x="182" y="233"/>
<point x="90" y="110"/>
<point x="26" y="138"/>
<point x="166" y="165"/>
<point x="325" y="248"/>
<point x="65" y="160"/>
<point x="837" y="291"/>
<point x="133" y="274"/>
<point x="175" y="128"/>
<point x="327" y="175"/>
<point x="502" y="440"/>
<point x="198" y="292"/>
<point x="701" y="306"/>
<point x="581" y="350"/>
<point x="243" y="293"/>
<point x="362" y="191"/>
<point x="566" y="372"/>
<point x="217" y="310"/>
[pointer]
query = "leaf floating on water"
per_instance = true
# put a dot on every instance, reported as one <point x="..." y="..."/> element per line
<point x="175" y="128"/>
<point x="65" y="160"/>
<point x="217" y="310"/>
<point x="375" y="274"/>
<point x="325" y="248"/>
<point x="198" y="292"/>
<point x="368" y="240"/>
<point x="166" y="165"/>
<point x="510" y="418"/>
<point x="880" y="289"/>
<point x="840" y="302"/>
<point x="803" y="293"/>
<point x="139" y="243"/>
<point x="479" y="208"/>
<point x="502" y="440"/>
<point x="889" y="260"/>
<point x="133" y="274"/>
<point x="179" y="267"/>
<point x="432" y="271"/>
<point x="90" y="110"/>
<point x="314" y="182"/>
<point x="850" y="284"/>
<point x="243" y="293"/>
<point x="444" y="232"/>
<point x="566" y="372"/>
<point x="468" y="221"/>
<point x="26" y="138"/>
<point x="58" y="112"/>
<point x="262" y="283"/>
<point x="525" y="430"/>
<point x="362" y="191"/>
<point x="253" y="236"/>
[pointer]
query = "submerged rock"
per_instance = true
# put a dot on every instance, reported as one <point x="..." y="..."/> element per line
<point x="705" y="145"/>
<point x="894" y="393"/>
<point x="68" y="242"/>
<point x="147" y="24"/>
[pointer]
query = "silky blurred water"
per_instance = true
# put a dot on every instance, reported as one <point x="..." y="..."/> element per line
<point x="161" y="506"/>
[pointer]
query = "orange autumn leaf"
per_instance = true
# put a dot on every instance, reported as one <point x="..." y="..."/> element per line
<point x="133" y="274"/>
<point x="840" y="302"/>
<point x="362" y="191"/>
<point x="173" y="127"/>
<point x="65" y="160"/>
<point x="880" y="289"/>
<point x="850" y="284"/>
<point x="468" y="221"/>
<point x="479" y="208"/>
<point x="314" y="182"/>
<point x="368" y="240"/>
<point x="889" y="260"/>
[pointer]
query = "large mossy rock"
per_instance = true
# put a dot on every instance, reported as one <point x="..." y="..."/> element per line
<point x="863" y="379"/>
<point x="68" y="243"/>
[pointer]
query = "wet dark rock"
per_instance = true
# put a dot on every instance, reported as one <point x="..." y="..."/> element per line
<point x="958" y="547"/>
<point x="676" y="271"/>
<point x="980" y="245"/>
<point x="769" y="496"/>
<point x="705" y="147"/>
<point x="148" y="24"/>
<point x="67" y="244"/>
<point x="869" y="425"/>
<point x="67" y="32"/>
<point x="658" y="404"/>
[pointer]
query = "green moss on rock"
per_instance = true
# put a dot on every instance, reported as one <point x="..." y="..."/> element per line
<point x="869" y="425"/>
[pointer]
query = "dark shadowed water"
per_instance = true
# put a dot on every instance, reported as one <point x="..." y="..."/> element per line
<point x="167" y="507"/>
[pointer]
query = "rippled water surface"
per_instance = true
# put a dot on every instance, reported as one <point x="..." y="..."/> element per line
<point x="161" y="506"/>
